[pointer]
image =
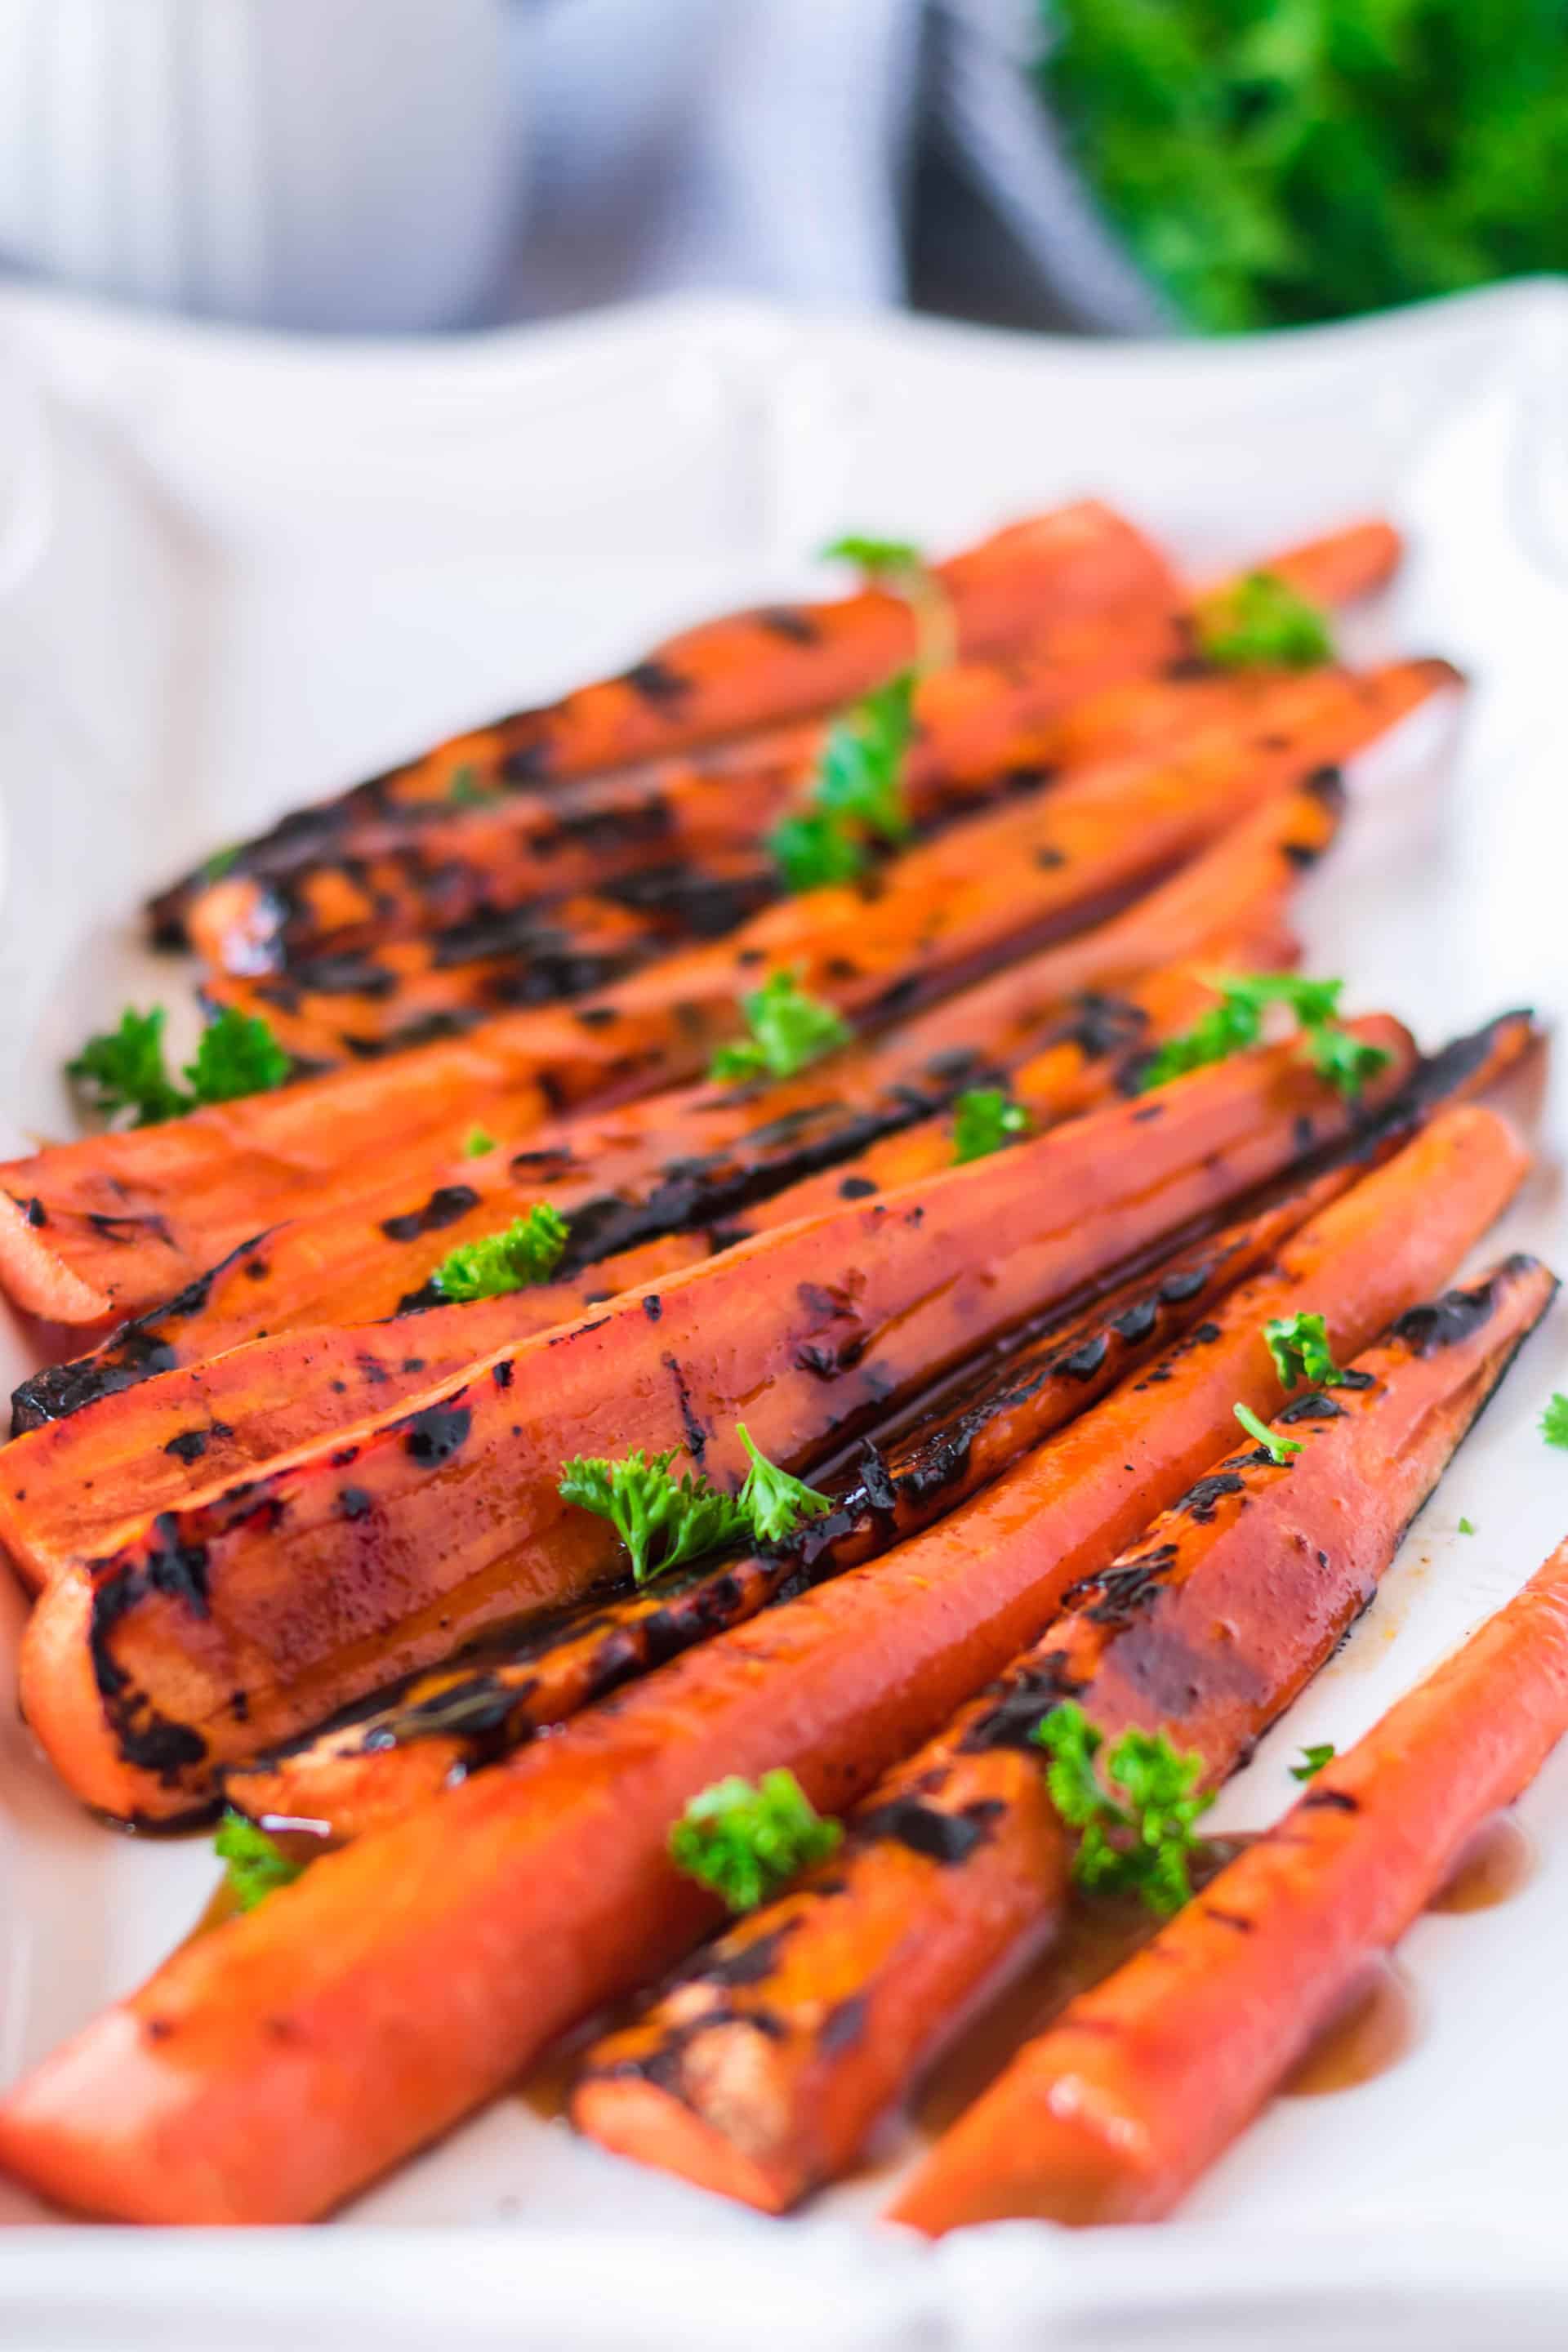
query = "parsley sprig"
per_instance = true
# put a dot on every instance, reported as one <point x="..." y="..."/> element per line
<point x="747" y="1843"/>
<point x="256" y="1864"/>
<point x="528" y="1251"/>
<point x="124" y="1070"/>
<point x="1313" y="1760"/>
<point x="1261" y="621"/>
<point x="898" y="564"/>
<point x="857" y="792"/>
<point x="1299" y="1346"/>
<point x="1279" y="1449"/>
<point x="477" y="1142"/>
<point x="790" y="1030"/>
<point x="1346" y="1062"/>
<point x="665" y="1521"/>
<point x="1555" y="1420"/>
<point x="984" y="1119"/>
<point x="1135" y="1820"/>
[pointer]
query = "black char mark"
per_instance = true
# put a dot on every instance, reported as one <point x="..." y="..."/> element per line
<point x="445" y="1206"/>
<point x="434" y="1435"/>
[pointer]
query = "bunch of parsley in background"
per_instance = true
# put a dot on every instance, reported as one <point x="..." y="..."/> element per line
<point x="1271" y="162"/>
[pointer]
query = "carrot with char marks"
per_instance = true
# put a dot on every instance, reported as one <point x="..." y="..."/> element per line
<point x="270" y="2069"/>
<point x="378" y="1765"/>
<point x="976" y="726"/>
<point x="119" y="1221"/>
<point x="389" y="1546"/>
<point x="760" y="2073"/>
<point x="1113" y="2113"/>
<point x="749" y="669"/>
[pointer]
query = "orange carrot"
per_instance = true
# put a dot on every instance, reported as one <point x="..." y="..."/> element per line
<point x="408" y="1536"/>
<point x="1114" y="2113"/>
<point x="443" y="1725"/>
<point x="271" y="2068"/>
<point x="760" y="2073"/>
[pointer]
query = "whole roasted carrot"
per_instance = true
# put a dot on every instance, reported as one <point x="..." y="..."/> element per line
<point x="443" y="1725"/>
<point x="1114" y="2113"/>
<point x="271" y="2068"/>
<point x="748" y="670"/>
<point x="408" y="1536"/>
<point x="115" y="1223"/>
<point x="760" y="2073"/>
<point x="976" y="726"/>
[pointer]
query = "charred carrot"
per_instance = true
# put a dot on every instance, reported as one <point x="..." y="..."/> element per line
<point x="748" y="670"/>
<point x="116" y="1222"/>
<point x="760" y="2073"/>
<point x="399" y="1547"/>
<point x="1114" y="2113"/>
<point x="271" y="2068"/>
<point x="442" y="1725"/>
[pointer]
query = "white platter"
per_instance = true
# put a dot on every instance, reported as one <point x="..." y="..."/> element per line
<point x="234" y="574"/>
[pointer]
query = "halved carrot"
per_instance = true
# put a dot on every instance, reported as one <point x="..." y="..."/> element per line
<point x="403" y="1538"/>
<point x="746" y="670"/>
<point x="118" y="1222"/>
<point x="976" y="726"/>
<point x="760" y="2074"/>
<point x="1113" y="2113"/>
<point x="441" y="1726"/>
<point x="271" y="2068"/>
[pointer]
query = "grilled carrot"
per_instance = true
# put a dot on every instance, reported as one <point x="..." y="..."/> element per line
<point x="1114" y="2113"/>
<point x="760" y="2074"/>
<point x="1021" y="874"/>
<point x="408" y="1536"/>
<point x="747" y="670"/>
<point x="270" y="2069"/>
<point x="441" y="1726"/>
<point x="114" y="1223"/>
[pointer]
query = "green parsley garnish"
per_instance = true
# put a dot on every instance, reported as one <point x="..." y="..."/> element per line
<point x="790" y="1030"/>
<point x="1237" y="1022"/>
<point x="477" y="1142"/>
<point x="747" y="1843"/>
<point x="664" y="1522"/>
<point x="465" y="790"/>
<point x="1272" y="164"/>
<point x="256" y="1867"/>
<point x="898" y="564"/>
<point x="1313" y="1760"/>
<point x="1279" y="1449"/>
<point x="1135" y="1822"/>
<point x="857" y="792"/>
<point x="221" y="862"/>
<point x="1555" y="1420"/>
<point x="773" y="1500"/>
<point x="984" y="1119"/>
<point x="529" y="1251"/>
<point x="124" y="1070"/>
<point x="1260" y="621"/>
<point x="1465" y="1528"/>
<point x="814" y="850"/>
<point x="1300" y="1346"/>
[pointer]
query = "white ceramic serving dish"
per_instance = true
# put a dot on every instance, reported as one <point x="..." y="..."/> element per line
<point x="261" y="571"/>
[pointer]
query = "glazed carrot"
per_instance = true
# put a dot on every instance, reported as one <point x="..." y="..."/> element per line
<point x="441" y="1726"/>
<point x="114" y="1223"/>
<point x="1114" y="2113"/>
<point x="408" y="1537"/>
<point x="1021" y="874"/>
<point x="760" y="2074"/>
<point x="270" y="2069"/>
<point x="749" y="670"/>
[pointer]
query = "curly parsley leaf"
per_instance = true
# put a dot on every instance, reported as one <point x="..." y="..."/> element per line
<point x="747" y="1843"/>
<point x="1346" y="1062"/>
<point x="1313" y="1760"/>
<point x="663" y="1521"/>
<point x="1299" y="1346"/>
<point x="1261" y="621"/>
<point x="1466" y="1528"/>
<point x="790" y="1030"/>
<point x="775" y="1502"/>
<point x="1135" y="1820"/>
<point x="814" y="850"/>
<point x="236" y="1054"/>
<point x="1279" y="1449"/>
<point x="477" y="1142"/>
<point x="124" y="1070"/>
<point x="861" y="772"/>
<point x="256" y="1865"/>
<point x="983" y="1120"/>
<point x="1555" y="1420"/>
<point x="1233" y="1024"/>
<point x="527" y="1252"/>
